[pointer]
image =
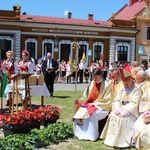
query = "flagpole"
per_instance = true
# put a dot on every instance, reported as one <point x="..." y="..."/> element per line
<point x="75" y="47"/>
<point x="76" y="75"/>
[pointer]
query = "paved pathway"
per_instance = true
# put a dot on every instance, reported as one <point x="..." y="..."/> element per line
<point x="69" y="86"/>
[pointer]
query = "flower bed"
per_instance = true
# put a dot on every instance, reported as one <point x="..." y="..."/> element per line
<point x="25" y="117"/>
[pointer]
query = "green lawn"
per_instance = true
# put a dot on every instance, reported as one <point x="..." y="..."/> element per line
<point x="64" y="100"/>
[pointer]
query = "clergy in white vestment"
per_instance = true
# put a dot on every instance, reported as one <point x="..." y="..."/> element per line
<point x="115" y="80"/>
<point x="93" y="106"/>
<point x="118" y="130"/>
<point x="140" y="80"/>
<point x="142" y="125"/>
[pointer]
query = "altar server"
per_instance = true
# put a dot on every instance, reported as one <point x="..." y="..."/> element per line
<point x="93" y="106"/>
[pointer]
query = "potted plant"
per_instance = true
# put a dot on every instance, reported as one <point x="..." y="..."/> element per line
<point x="49" y="114"/>
<point x="22" y="122"/>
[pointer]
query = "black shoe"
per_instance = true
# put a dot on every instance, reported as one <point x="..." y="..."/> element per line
<point x="51" y="95"/>
<point x="7" y="103"/>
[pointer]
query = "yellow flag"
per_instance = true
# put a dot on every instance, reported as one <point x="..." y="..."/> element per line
<point x="71" y="68"/>
<point x="83" y="56"/>
<point x="83" y="62"/>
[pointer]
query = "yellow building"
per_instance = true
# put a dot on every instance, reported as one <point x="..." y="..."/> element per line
<point x="140" y="11"/>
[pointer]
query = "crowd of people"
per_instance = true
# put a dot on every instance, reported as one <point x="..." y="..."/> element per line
<point x="124" y="100"/>
<point x="118" y="91"/>
<point x="84" y="73"/>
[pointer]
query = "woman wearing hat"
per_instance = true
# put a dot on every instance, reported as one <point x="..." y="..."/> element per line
<point x="25" y="65"/>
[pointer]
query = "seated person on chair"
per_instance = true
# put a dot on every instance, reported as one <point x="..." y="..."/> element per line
<point x="94" y="106"/>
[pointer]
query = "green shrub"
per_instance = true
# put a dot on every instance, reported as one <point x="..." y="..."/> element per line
<point x="52" y="134"/>
<point x="15" y="142"/>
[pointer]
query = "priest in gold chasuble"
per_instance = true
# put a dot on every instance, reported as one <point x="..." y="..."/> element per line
<point x="118" y="130"/>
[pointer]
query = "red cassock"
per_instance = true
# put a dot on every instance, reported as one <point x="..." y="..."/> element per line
<point x="92" y="97"/>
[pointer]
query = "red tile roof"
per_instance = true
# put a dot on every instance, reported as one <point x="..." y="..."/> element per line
<point x="126" y="12"/>
<point x="65" y="21"/>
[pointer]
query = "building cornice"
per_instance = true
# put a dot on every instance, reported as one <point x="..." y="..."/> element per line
<point x="71" y="27"/>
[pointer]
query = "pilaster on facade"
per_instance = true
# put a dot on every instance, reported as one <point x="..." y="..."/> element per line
<point x="111" y="50"/>
<point x="17" y="46"/>
<point x="133" y="51"/>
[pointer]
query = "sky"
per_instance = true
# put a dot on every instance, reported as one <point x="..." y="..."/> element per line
<point x="101" y="9"/>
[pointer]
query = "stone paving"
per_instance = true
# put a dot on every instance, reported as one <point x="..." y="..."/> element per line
<point x="69" y="86"/>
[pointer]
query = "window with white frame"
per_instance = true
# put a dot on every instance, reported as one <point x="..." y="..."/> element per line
<point x="47" y="46"/>
<point x="148" y="33"/>
<point x="97" y="52"/>
<point x="98" y="49"/>
<point x="123" y="52"/>
<point x="83" y="48"/>
<point x="65" y="49"/>
<point x="31" y="47"/>
<point x="5" y="45"/>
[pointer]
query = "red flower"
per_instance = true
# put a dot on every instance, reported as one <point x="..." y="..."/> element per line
<point x="49" y="112"/>
<point x="26" y="116"/>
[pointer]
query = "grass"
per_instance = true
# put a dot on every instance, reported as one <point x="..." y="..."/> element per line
<point x="64" y="100"/>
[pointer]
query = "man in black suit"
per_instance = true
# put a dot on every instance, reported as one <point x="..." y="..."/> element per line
<point x="49" y="67"/>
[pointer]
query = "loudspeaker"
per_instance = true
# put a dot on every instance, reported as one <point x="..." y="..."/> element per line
<point x="3" y="44"/>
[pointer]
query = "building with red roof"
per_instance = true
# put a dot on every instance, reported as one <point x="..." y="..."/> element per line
<point x="115" y="38"/>
<point x="140" y="11"/>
